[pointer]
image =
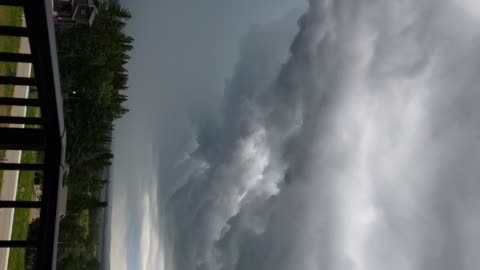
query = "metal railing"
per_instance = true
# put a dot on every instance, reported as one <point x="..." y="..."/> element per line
<point x="49" y="134"/>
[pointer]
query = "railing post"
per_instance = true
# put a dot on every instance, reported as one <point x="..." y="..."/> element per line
<point x="13" y="3"/>
<point x="20" y="102"/>
<point x="12" y="80"/>
<point x="17" y="243"/>
<point x="22" y="139"/>
<point x="20" y="204"/>
<point x="15" y="57"/>
<point x="13" y="31"/>
<point x="21" y="120"/>
<point x="21" y="166"/>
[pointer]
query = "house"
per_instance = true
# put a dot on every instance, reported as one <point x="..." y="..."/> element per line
<point x="74" y="12"/>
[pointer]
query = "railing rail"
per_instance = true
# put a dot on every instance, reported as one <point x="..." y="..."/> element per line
<point x="48" y="135"/>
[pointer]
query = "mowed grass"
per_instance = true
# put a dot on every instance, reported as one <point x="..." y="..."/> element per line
<point x="11" y="16"/>
<point x="21" y="221"/>
<point x="8" y="16"/>
<point x="25" y="192"/>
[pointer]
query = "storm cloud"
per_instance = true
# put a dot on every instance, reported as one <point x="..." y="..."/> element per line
<point x="350" y="145"/>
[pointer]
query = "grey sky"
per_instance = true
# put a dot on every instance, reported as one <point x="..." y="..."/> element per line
<point x="261" y="138"/>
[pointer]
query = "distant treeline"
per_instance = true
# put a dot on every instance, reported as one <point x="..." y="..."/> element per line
<point x="93" y="77"/>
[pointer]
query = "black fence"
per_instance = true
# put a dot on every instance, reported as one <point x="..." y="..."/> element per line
<point x="47" y="134"/>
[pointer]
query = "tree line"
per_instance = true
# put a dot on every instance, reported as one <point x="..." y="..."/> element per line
<point x="93" y="78"/>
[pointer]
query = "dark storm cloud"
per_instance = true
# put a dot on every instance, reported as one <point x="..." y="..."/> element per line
<point x="358" y="151"/>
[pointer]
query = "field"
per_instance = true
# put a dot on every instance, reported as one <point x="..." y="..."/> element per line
<point x="8" y="16"/>
<point x="12" y="16"/>
<point x="21" y="219"/>
<point x="25" y="192"/>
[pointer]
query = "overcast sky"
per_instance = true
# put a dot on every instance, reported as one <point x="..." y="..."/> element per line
<point x="286" y="134"/>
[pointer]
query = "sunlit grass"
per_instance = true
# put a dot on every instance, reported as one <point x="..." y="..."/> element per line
<point x="25" y="192"/>
<point x="11" y="16"/>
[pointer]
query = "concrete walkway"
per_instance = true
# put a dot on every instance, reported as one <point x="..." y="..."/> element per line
<point x="10" y="178"/>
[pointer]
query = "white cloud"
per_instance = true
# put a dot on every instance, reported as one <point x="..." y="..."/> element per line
<point x="150" y="245"/>
<point x="148" y="249"/>
<point x="349" y="125"/>
<point x="118" y="249"/>
<point x="470" y="8"/>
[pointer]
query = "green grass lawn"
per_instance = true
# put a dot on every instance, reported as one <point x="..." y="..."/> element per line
<point x="11" y="16"/>
<point x="8" y="16"/>
<point x="21" y="218"/>
<point x="32" y="111"/>
<point x="25" y="192"/>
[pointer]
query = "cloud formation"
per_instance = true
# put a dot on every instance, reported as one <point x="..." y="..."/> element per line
<point x="357" y="151"/>
<point x="174" y="40"/>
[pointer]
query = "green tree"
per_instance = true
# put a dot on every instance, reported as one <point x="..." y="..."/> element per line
<point x="93" y="75"/>
<point x="85" y="201"/>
